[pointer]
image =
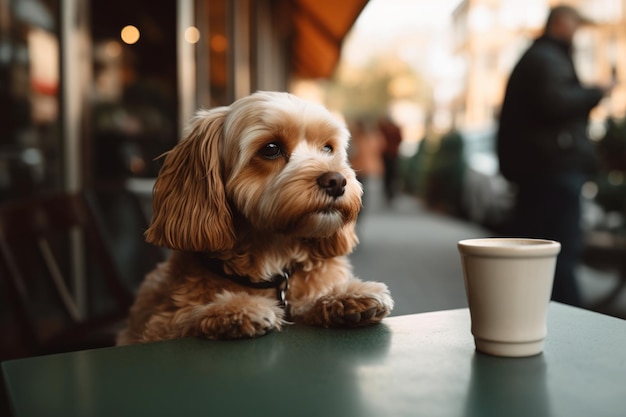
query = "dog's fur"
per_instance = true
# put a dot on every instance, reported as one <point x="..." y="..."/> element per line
<point x="245" y="187"/>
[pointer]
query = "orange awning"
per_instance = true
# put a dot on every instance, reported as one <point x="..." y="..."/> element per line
<point x="320" y="27"/>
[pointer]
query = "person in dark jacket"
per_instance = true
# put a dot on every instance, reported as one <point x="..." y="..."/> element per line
<point x="543" y="146"/>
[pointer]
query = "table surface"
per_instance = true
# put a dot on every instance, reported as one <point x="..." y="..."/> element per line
<point x="415" y="365"/>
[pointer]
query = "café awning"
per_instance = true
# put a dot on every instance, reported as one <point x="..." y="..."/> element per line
<point x="320" y="27"/>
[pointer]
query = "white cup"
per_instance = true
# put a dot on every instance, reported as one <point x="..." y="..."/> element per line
<point x="508" y="283"/>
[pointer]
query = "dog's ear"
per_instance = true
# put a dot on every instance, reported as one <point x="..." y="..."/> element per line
<point x="339" y="244"/>
<point x="190" y="210"/>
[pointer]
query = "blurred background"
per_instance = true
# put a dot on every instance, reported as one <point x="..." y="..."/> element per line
<point x="91" y="92"/>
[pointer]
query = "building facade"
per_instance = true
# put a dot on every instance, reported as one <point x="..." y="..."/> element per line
<point x="490" y="35"/>
<point x="93" y="91"/>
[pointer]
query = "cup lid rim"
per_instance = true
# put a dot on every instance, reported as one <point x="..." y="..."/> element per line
<point x="509" y="246"/>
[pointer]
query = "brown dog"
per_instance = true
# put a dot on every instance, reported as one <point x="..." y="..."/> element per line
<point x="258" y="204"/>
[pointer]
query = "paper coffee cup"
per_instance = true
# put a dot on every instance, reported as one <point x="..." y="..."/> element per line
<point x="508" y="283"/>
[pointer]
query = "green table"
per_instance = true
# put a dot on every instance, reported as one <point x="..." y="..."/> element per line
<point x="416" y="365"/>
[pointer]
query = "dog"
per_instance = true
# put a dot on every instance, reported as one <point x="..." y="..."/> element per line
<point x="258" y="205"/>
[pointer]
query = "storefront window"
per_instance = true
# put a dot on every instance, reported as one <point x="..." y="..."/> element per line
<point x="215" y="51"/>
<point x="30" y="139"/>
<point x="134" y="115"/>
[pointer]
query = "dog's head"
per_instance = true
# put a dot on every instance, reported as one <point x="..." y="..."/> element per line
<point x="276" y="160"/>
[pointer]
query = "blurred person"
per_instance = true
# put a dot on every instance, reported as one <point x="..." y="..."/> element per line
<point x="445" y="180"/>
<point x="393" y="138"/>
<point x="543" y="145"/>
<point x="366" y="145"/>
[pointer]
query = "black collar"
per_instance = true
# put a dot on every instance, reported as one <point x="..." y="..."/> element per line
<point x="278" y="281"/>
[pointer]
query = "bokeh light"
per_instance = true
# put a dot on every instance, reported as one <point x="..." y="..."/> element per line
<point x="192" y="34"/>
<point x="130" y="34"/>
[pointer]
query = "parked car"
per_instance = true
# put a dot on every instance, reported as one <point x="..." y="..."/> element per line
<point x="487" y="197"/>
<point x="458" y="174"/>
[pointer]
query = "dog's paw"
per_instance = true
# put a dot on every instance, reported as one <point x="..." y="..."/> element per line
<point x="360" y="304"/>
<point x="240" y="315"/>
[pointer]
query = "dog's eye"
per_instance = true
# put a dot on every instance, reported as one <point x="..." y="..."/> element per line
<point x="271" y="151"/>
<point x="327" y="149"/>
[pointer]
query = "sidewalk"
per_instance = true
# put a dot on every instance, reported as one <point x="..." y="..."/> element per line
<point x="414" y="252"/>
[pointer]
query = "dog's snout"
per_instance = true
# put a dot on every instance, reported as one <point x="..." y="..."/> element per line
<point x="333" y="183"/>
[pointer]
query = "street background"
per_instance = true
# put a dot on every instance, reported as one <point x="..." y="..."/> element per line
<point x="413" y="250"/>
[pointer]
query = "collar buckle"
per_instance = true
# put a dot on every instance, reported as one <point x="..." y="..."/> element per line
<point x="279" y="281"/>
<point x="282" y="288"/>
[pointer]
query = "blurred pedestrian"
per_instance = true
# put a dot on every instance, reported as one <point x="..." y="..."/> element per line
<point x="445" y="180"/>
<point x="364" y="153"/>
<point x="543" y="146"/>
<point x="393" y="138"/>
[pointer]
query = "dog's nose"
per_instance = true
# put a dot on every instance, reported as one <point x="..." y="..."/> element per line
<point x="333" y="183"/>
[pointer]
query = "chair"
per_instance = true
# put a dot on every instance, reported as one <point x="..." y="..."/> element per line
<point x="52" y="248"/>
<point x="606" y="251"/>
<point x="123" y="220"/>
